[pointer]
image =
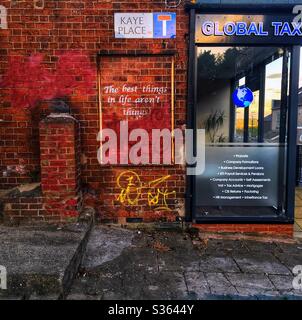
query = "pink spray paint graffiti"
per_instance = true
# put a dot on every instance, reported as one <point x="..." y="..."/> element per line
<point x="28" y="80"/>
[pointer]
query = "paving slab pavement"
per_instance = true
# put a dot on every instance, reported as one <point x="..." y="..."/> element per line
<point x="125" y="264"/>
<point x="149" y="265"/>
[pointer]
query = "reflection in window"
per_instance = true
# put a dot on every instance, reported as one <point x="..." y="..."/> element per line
<point x="239" y="118"/>
<point x="242" y="82"/>
<point x="273" y="79"/>
<point x="239" y="124"/>
<point x="300" y="79"/>
<point x="213" y="94"/>
<point x="253" y="118"/>
<point x="300" y="94"/>
<point x="220" y="71"/>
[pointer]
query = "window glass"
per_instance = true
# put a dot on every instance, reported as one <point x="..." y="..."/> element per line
<point x="253" y="118"/>
<point x="273" y="79"/>
<point x="238" y="105"/>
<point x="300" y="95"/>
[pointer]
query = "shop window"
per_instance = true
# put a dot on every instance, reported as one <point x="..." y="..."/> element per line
<point x="241" y="94"/>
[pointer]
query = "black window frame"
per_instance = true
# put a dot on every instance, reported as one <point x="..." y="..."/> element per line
<point x="288" y="217"/>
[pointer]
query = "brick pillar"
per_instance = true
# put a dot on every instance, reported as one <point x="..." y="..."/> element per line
<point x="60" y="166"/>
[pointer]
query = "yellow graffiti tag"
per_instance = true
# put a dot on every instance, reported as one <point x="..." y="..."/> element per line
<point x="131" y="190"/>
<point x="130" y="184"/>
<point x="159" y="198"/>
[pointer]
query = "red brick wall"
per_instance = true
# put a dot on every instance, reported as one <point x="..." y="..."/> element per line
<point x="25" y="210"/>
<point x="276" y="229"/>
<point x="52" y="53"/>
<point x="60" y="166"/>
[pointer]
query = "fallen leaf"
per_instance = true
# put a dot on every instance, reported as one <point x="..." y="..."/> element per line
<point x="157" y="245"/>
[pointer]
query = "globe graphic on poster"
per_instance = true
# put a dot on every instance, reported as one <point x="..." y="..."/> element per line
<point x="243" y="97"/>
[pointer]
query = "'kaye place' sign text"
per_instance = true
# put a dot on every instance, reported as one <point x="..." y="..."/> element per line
<point x="145" y="25"/>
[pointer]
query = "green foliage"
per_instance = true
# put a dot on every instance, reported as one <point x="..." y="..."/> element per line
<point x="212" y="66"/>
<point x="212" y="125"/>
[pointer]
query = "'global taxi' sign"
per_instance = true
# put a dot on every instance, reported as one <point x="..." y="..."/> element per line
<point x="257" y="29"/>
<point x="145" y="25"/>
<point x="248" y="29"/>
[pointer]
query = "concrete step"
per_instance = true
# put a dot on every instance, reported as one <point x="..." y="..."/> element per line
<point x="42" y="261"/>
